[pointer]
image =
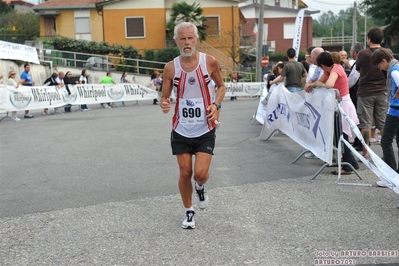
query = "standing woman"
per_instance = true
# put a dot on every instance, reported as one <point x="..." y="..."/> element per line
<point x="68" y="81"/>
<point x="334" y="76"/>
<point x="83" y="80"/>
<point x="11" y="81"/>
<point x="124" y="80"/>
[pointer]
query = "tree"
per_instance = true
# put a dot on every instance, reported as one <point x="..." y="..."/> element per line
<point x="331" y="24"/>
<point x="183" y="12"/>
<point x="385" y="10"/>
<point x="22" y="24"/>
<point x="5" y="8"/>
<point x="231" y="46"/>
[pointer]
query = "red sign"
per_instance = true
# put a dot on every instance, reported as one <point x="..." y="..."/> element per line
<point x="265" y="61"/>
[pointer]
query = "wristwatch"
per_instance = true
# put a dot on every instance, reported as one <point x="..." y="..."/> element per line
<point x="218" y="105"/>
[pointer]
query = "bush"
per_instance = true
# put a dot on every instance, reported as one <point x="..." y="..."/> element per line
<point x="90" y="47"/>
<point x="167" y="54"/>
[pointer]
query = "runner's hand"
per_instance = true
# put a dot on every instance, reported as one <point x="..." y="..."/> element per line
<point x="165" y="105"/>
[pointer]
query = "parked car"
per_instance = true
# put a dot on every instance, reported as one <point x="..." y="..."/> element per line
<point x="98" y="63"/>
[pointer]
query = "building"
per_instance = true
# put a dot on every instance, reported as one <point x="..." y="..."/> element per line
<point x="278" y="24"/>
<point x="20" y="5"/>
<point x="77" y="19"/>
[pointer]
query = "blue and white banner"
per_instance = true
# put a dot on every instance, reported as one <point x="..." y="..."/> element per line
<point x="16" y="51"/>
<point x="378" y="166"/>
<point x="306" y="118"/>
<point x="261" y="110"/>
<point x="296" y="42"/>
<point x="31" y="98"/>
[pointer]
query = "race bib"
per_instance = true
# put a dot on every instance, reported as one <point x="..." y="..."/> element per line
<point x="192" y="111"/>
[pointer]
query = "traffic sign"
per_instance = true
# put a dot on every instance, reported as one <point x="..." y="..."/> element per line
<point x="265" y="61"/>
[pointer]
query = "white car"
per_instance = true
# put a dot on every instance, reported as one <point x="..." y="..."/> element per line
<point x="98" y="63"/>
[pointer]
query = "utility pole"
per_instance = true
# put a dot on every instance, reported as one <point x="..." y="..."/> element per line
<point x="260" y="42"/>
<point x="343" y="33"/>
<point x="354" y="26"/>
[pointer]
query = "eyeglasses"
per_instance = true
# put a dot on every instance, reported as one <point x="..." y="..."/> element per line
<point x="12" y="74"/>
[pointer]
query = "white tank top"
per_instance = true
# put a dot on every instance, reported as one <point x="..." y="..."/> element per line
<point x="194" y="93"/>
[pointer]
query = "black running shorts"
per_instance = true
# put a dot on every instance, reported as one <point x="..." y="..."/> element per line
<point x="204" y="143"/>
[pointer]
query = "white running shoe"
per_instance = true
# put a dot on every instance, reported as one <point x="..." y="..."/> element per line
<point x="202" y="199"/>
<point x="188" y="222"/>
<point x="16" y="119"/>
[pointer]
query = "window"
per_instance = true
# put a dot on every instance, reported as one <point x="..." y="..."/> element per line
<point x="213" y="26"/>
<point x="289" y="30"/>
<point x="82" y="25"/>
<point x="135" y="27"/>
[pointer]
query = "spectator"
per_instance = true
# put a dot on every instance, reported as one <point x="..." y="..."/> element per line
<point x="51" y="81"/>
<point x="345" y="62"/>
<point x="334" y="77"/>
<point x="27" y="81"/>
<point x="83" y="80"/>
<point x="107" y="80"/>
<point x="353" y="80"/>
<point x="124" y="80"/>
<point x="372" y="94"/>
<point x="384" y="60"/>
<point x="293" y="72"/>
<point x="155" y="84"/>
<point x="11" y="81"/>
<point x="68" y="81"/>
<point x="234" y="78"/>
<point x="317" y="73"/>
<point x="312" y="66"/>
<point x="60" y="79"/>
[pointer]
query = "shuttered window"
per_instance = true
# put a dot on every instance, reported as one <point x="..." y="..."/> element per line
<point x="135" y="27"/>
<point x="213" y="28"/>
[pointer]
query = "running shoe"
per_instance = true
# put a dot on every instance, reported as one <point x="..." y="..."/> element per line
<point x="202" y="199"/>
<point x="188" y="222"/>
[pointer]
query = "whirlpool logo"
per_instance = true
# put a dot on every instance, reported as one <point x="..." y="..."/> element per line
<point x="115" y="92"/>
<point x="69" y="98"/>
<point x="20" y="99"/>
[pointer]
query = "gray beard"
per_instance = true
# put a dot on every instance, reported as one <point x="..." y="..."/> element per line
<point x="183" y="54"/>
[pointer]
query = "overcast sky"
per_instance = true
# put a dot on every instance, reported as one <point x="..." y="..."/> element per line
<point x="325" y="5"/>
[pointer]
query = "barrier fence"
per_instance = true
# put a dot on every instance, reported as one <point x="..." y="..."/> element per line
<point x="308" y="120"/>
<point x="31" y="98"/>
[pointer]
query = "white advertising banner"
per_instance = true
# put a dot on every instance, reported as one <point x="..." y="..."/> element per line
<point x="16" y="51"/>
<point x="261" y="110"/>
<point x="306" y="118"/>
<point x="296" y="42"/>
<point x="244" y="88"/>
<point x="31" y="98"/>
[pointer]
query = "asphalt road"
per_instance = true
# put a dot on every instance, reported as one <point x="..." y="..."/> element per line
<point x="100" y="188"/>
<point x="106" y="155"/>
